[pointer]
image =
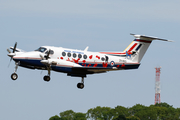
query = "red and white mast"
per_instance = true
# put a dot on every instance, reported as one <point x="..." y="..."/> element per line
<point x="157" y="86"/>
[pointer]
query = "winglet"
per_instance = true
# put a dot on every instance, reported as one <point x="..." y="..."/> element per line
<point x="144" y="37"/>
<point x="86" y="49"/>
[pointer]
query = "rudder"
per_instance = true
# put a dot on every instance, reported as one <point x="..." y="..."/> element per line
<point x="136" y="50"/>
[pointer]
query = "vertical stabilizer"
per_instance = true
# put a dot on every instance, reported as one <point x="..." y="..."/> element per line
<point x="136" y="50"/>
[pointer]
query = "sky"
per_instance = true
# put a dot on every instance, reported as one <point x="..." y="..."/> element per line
<point x="102" y="25"/>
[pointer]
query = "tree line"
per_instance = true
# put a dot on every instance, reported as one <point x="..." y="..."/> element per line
<point x="162" y="111"/>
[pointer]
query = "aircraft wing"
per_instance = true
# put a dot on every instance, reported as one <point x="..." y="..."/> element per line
<point x="91" y="70"/>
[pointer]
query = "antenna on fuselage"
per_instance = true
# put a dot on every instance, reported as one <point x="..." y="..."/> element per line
<point x="86" y="49"/>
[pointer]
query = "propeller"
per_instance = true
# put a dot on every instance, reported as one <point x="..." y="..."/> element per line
<point x="41" y="57"/>
<point x="12" y="54"/>
<point x="8" y="51"/>
<point x="14" y="49"/>
<point x="46" y="61"/>
<point x="46" y="57"/>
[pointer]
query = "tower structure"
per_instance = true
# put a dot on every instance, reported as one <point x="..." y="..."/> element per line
<point x="157" y="86"/>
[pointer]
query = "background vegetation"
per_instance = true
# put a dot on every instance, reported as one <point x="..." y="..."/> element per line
<point x="162" y="111"/>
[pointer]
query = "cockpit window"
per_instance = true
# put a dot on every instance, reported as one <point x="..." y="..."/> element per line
<point x="41" y="49"/>
<point x="51" y="52"/>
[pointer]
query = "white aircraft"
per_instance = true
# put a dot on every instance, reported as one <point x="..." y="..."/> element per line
<point x="79" y="63"/>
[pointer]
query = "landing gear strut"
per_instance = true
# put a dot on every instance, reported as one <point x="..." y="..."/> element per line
<point x="81" y="85"/>
<point x="47" y="77"/>
<point x="14" y="76"/>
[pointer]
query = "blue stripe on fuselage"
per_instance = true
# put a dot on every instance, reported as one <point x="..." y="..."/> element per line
<point x="36" y="62"/>
<point x="31" y="62"/>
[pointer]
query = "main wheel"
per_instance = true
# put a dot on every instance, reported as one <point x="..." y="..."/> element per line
<point x="14" y="76"/>
<point x="80" y="85"/>
<point x="47" y="78"/>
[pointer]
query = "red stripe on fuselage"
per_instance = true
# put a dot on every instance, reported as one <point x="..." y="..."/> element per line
<point x="120" y="53"/>
<point x="112" y="53"/>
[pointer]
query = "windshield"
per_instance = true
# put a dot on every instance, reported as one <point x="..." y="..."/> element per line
<point x="41" y="49"/>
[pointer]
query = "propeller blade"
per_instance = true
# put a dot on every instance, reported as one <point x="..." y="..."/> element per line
<point x="12" y="54"/>
<point x="41" y="57"/>
<point x="8" y="51"/>
<point x="47" y="57"/>
<point x="14" y="49"/>
<point x="10" y="62"/>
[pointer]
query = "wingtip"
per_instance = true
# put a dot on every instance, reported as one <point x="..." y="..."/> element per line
<point x="170" y="41"/>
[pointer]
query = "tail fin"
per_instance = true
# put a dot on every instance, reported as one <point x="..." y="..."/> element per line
<point x="136" y="50"/>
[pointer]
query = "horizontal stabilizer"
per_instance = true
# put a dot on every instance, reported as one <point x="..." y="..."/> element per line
<point x="150" y="38"/>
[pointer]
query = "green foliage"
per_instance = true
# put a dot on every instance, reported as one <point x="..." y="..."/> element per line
<point x="120" y="110"/>
<point x="67" y="115"/>
<point x="120" y="117"/>
<point x="71" y="115"/>
<point x="162" y="111"/>
<point x="132" y="118"/>
<point x="163" y="105"/>
<point x="100" y="113"/>
<point x="55" y="118"/>
<point x="79" y="116"/>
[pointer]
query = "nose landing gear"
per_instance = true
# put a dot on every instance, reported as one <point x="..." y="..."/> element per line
<point x="14" y="76"/>
<point x="81" y="85"/>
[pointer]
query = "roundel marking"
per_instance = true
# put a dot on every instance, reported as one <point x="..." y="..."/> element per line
<point x="112" y="63"/>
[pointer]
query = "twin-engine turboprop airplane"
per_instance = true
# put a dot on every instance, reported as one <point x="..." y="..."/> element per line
<point x="79" y="63"/>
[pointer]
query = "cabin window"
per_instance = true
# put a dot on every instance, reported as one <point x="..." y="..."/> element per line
<point x="69" y="54"/>
<point x="79" y="56"/>
<point x="51" y="52"/>
<point x="74" y="55"/>
<point x="85" y="56"/>
<point x="63" y="54"/>
<point x="102" y="58"/>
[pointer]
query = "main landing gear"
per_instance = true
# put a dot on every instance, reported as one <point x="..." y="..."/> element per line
<point x="14" y="76"/>
<point x="81" y="85"/>
<point x="47" y="77"/>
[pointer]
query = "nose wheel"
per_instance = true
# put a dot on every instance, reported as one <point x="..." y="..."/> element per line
<point x="14" y="76"/>
<point x="81" y="85"/>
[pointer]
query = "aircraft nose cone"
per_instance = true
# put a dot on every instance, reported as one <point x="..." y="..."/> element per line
<point x="26" y="57"/>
